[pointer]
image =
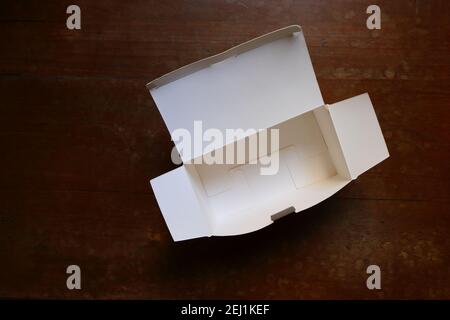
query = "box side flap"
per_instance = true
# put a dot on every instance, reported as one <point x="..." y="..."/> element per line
<point x="184" y="213"/>
<point x="323" y="118"/>
<point x="359" y="133"/>
<point x="255" y="85"/>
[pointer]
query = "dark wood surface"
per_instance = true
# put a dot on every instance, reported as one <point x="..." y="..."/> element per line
<point x="80" y="139"/>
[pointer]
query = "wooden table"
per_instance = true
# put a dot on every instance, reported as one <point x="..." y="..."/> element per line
<point x="80" y="139"/>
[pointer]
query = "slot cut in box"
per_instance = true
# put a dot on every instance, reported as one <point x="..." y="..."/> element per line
<point x="267" y="82"/>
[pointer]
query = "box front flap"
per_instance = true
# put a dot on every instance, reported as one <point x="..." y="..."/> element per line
<point x="255" y="85"/>
<point x="359" y="133"/>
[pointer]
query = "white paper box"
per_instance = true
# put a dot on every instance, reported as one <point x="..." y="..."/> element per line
<point x="267" y="82"/>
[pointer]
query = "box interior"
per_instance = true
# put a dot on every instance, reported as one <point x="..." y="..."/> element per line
<point x="238" y="197"/>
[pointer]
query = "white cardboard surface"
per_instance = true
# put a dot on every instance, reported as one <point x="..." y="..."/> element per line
<point x="277" y="73"/>
<point x="359" y="133"/>
<point x="184" y="214"/>
<point x="267" y="82"/>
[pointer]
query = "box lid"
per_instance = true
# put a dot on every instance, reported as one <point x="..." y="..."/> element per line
<point x="255" y="85"/>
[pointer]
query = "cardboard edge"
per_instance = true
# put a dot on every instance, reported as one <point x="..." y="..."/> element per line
<point x="236" y="50"/>
<point x="331" y="139"/>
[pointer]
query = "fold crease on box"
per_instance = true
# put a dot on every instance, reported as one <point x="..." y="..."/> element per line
<point x="267" y="82"/>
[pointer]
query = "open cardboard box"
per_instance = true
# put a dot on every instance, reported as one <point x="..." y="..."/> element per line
<point x="267" y="82"/>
